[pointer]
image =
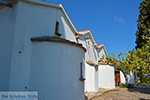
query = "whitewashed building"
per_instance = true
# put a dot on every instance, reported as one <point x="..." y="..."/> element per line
<point x="96" y="75"/>
<point x="125" y="78"/>
<point x="106" y="72"/>
<point x="131" y="78"/>
<point x="91" y="60"/>
<point x="37" y="39"/>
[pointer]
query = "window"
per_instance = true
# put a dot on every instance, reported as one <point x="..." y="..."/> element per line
<point x="57" y="29"/>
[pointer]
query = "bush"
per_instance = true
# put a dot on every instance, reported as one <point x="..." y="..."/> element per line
<point x="124" y="85"/>
<point x="130" y="86"/>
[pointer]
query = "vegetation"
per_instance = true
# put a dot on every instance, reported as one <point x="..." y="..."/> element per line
<point x="143" y="23"/>
<point x="126" y="85"/>
<point x="137" y="60"/>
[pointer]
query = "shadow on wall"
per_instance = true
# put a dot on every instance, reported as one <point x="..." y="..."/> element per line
<point x="140" y="90"/>
<point x="94" y="53"/>
<point x="85" y="97"/>
<point x="99" y="55"/>
<point x="66" y="30"/>
<point x="62" y="27"/>
<point x="87" y="49"/>
<point x="142" y="99"/>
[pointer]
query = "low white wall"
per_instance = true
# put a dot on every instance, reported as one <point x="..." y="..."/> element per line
<point x="91" y="76"/>
<point x="106" y="77"/>
<point x="122" y="78"/>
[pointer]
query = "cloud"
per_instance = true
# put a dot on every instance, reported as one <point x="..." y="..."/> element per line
<point x="119" y="19"/>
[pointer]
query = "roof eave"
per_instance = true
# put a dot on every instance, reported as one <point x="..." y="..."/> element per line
<point x="42" y="3"/>
<point x="88" y="32"/>
<point x="103" y="48"/>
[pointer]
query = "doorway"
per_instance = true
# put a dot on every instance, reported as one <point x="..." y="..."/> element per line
<point x="117" y="78"/>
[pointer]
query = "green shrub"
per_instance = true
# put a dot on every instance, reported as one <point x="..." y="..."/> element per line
<point x="124" y="85"/>
<point x="130" y="86"/>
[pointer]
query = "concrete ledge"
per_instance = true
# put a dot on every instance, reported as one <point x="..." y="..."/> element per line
<point x="91" y="63"/>
<point x="55" y="39"/>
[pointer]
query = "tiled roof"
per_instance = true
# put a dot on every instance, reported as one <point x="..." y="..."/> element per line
<point x="91" y="63"/>
<point x="83" y="31"/>
<point x="99" y="45"/>
<point x="103" y="62"/>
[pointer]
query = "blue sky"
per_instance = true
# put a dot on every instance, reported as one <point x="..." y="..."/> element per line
<point x="111" y="22"/>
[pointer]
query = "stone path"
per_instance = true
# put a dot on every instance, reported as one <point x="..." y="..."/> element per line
<point x="125" y="94"/>
<point x="90" y="95"/>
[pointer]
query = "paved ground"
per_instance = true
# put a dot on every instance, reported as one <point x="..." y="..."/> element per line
<point x="125" y="94"/>
<point x="90" y="95"/>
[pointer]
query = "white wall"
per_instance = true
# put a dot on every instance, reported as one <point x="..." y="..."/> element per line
<point x="65" y="29"/>
<point x="91" y="53"/>
<point x="52" y="77"/>
<point x="106" y="77"/>
<point x="37" y="20"/>
<point x="7" y="24"/>
<point x="122" y="78"/>
<point x="91" y="76"/>
<point x="91" y="72"/>
<point x="101" y="52"/>
<point x="32" y="21"/>
<point x="57" y="77"/>
<point x="44" y="67"/>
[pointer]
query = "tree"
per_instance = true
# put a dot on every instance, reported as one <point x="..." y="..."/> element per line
<point x="135" y="60"/>
<point x="143" y="23"/>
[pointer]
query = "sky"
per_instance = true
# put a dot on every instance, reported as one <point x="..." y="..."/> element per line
<point x="111" y="22"/>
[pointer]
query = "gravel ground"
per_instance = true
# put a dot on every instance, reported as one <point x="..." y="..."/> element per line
<point x="125" y="94"/>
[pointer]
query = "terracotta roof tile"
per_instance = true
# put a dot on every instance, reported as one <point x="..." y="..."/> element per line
<point x="99" y="45"/>
<point x="83" y="31"/>
<point x="91" y="63"/>
<point x="103" y="62"/>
